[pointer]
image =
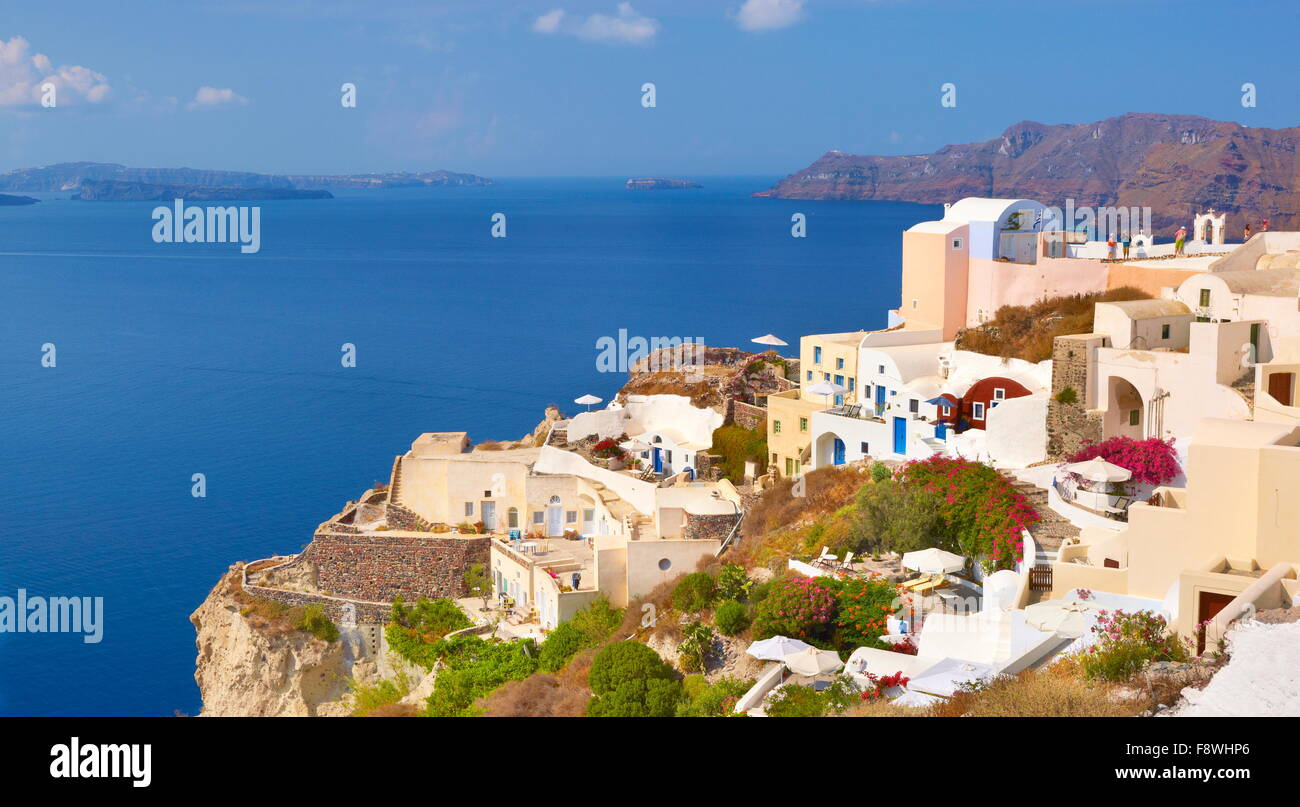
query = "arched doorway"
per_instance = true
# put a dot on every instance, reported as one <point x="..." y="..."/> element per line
<point x="1125" y="411"/>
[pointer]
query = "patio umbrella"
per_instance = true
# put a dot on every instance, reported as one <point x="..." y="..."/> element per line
<point x="776" y="648"/>
<point x="769" y="339"/>
<point x="826" y="388"/>
<point x="1099" y="470"/>
<point x="933" y="561"/>
<point x="1068" y="619"/>
<point x="813" y="662"/>
<point x="588" y="400"/>
<point x="634" y="446"/>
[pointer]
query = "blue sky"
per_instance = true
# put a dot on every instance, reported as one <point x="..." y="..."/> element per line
<point x="553" y="88"/>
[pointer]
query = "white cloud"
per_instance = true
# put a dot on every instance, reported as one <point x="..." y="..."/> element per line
<point x="549" y="22"/>
<point x="22" y="74"/>
<point x="767" y="15"/>
<point x="210" y="97"/>
<point x="627" y="25"/>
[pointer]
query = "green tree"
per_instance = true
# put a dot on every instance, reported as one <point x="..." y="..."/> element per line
<point x="631" y="680"/>
<point x="694" y="593"/>
<point x="731" y="617"/>
<point x="715" y="700"/>
<point x="478" y="583"/>
<point x="891" y="517"/>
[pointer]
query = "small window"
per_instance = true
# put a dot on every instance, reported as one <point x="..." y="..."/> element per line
<point x="839" y="379"/>
<point x="570" y="516"/>
<point x="1205" y="298"/>
<point x="914" y="405"/>
<point x="538" y="515"/>
<point x="956" y="243"/>
<point x="810" y="375"/>
<point x="839" y="364"/>
<point x="946" y="409"/>
<point x="826" y="376"/>
<point x="487" y="494"/>
<point x="865" y="450"/>
<point x="789" y="466"/>
<point x="915" y="303"/>
<point x="851" y="380"/>
<point x="1134" y="416"/>
<point x="999" y="394"/>
<point x="774" y="458"/>
<point x="469" y="508"/>
<point x="803" y="424"/>
<point x="512" y="516"/>
<point x="665" y="564"/>
<point x="977" y="410"/>
<point x="880" y="368"/>
<point x="817" y="355"/>
<point x="1164" y="331"/>
<point x="776" y="427"/>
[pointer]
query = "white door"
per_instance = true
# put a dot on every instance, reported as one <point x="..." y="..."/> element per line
<point x="554" y="521"/>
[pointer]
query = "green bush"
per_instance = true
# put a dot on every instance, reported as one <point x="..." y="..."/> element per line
<point x="1127" y="642"/>
<point x="370" y="697"/>
<point x="731" y="617"/>
<point x="414" y="630"/>
<point x="631" y="680"/>
<point x="695" y="646"/>
<point x="313" y="620"/>
<point x="733" y="583"/>
<point x="589" y="627"/>
<point x="796" y="700"/>
<point x="716" y="700"/>
<point x="625" y="661"/>
<point x="694" y="593"/>
<point x="652" y="698"/>
<point x="890" y="517"/>
<point x="472" y="668"/>
<point x="880" y="472"/>
<point x="735" y="445"/>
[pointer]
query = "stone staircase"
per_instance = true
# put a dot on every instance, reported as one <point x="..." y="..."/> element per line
<point x="394" y="487"/>
<point x="1052" y="530"/>
<point x="1245" y="386"/>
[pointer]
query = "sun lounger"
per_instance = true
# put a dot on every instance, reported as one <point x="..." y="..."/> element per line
<point x="937" y="582"/>
<point x="918" y="581"/>
<point x="847" y="563"/>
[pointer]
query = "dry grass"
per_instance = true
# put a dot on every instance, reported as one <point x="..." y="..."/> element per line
<point x="702" y="393"/>
<point x="540" y="695"/>
<point x="393" y="710"/>
<point x="1026" y="332"/>
<point x="884" y="709"/>
<point x="772" y="524"/>
<point x="1046" y="693"/>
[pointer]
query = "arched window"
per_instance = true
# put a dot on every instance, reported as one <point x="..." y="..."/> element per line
<point x="512" y="518"/>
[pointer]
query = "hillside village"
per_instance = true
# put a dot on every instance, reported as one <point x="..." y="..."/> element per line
<point x="1064" y="479"/>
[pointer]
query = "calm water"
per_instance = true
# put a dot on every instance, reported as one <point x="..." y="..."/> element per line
<point x="175" y="359"/>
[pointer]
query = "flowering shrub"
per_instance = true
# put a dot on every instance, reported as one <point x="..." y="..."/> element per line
<point x="877" y="684"/>
<point x="907" y="647"/>
<point x="1152" y="461"/>
<point x="798" y="607"/>
<point x="863" y="608"/>
<point x="1126" y="642"/>
<point x="984" y="515"/>
<point x="607" y="448"/>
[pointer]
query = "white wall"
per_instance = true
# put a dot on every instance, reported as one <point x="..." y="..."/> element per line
<point x="1017" y="432"/>
<point x="648" y="413"/>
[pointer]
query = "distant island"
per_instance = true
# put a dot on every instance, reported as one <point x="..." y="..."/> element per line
<point x="659" y="183"/>
<point x="1177" y="165"/>
<point x="6" y="200"/>
<point x="128" y="183"/>
<point x="93" y="190"/>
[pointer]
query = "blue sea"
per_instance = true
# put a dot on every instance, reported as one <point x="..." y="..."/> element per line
<point x="177" y="359"/>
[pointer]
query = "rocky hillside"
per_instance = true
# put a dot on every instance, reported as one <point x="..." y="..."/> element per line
<point x="1176" y="164"/>
<point x="250" y="667"/>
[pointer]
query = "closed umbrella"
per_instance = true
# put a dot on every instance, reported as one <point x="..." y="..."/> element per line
<point x="1068" y="619"/>
<point x="1099" y="470"/>
<point x="776" y="648"/>
<point x="813" y="662"/>
<point x="588" y="400"/>
<point x="933" y="561"/>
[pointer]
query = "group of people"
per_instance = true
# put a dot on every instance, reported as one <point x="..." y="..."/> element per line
<point x="1180" y="237"/>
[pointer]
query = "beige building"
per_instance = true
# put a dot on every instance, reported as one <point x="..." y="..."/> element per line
<point x="828" y="358"/>
<point x="1230" y="536"/>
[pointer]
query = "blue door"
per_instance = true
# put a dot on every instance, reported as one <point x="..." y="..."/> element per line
<point x="659" y="461"/>
<point x="880" y="399"/>
<point x="900" y="435"/>
<point x="941" y="431"/>
<point x="839" y="452"/>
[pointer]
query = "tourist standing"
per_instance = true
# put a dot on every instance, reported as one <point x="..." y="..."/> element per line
<point x="1125" y="241"/>
<point x="1179" y="238"/>
<point x="1245" y="234"/>
<point x="1110" y="246"/>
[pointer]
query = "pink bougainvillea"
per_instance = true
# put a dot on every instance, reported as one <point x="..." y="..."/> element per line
<point x="1152" y="461"/>
<point x="985" y="514"/>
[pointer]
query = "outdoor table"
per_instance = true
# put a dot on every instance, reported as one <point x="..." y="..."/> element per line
<point x="528" y="547"/>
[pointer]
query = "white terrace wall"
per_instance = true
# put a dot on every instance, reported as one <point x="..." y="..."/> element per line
<point x="647" y="413"/>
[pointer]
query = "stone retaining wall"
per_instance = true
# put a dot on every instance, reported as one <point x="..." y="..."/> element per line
<point x="380" y="566"/>
<point x="748" y="415"/>
<point x="714" y="528"/>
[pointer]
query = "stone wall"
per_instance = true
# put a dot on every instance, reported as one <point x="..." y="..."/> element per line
<point x="713" y="528"/>
<point x="1070" y="426"/>
<point x="367" y="613"/>
<point x="380" y="566"/>
<point x="748" y="415"/>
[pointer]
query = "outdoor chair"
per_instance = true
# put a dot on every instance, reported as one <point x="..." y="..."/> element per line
<point x="916" y="582"/>
<point x="847" y="563"/>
